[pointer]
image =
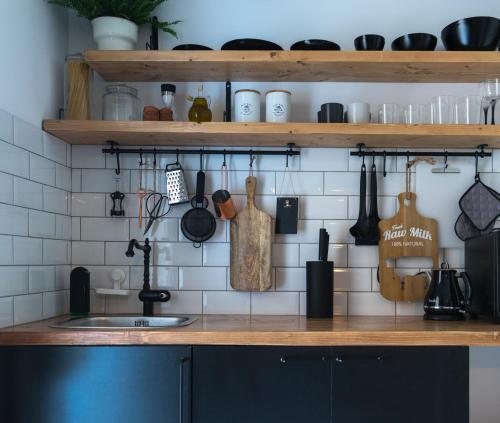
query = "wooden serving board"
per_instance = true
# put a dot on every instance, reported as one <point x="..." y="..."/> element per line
<point x="251" y="243"/>
<point x="407" y="234"/>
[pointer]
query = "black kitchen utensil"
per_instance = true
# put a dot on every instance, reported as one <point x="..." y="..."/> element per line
<point x="191" y="47"/>
<point x="157" y="206"/>
<point x="415" y="42"/>
<point x="369" y="42"/>
<point x="315" y="44"/>
<point x="479" y="33"/>
<point x="79" y="292"/>
<point x="198" y="224"/>
<point x="360" y="228"/>
<point x="324" y="242"/>
<point x="117" y="197"/>
<point x="481" y="204"/>
<point x="250" y="44"/>
<point x="371" y="232"/>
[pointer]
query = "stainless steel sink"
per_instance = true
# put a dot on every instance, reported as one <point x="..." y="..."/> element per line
<point x="124" y="322"/>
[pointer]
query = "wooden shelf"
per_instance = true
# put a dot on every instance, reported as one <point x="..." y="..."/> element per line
<point x="294" y="66"/>
<point x="273" y="134"/>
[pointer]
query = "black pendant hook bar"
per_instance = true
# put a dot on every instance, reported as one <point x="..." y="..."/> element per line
<point x="479" y="152"/>
<point x="290" y="151"/>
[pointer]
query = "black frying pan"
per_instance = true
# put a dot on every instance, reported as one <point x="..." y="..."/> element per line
<point x="198" y="224"/>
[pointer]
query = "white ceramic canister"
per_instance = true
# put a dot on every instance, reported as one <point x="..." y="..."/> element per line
<point x="278" y="106"/>
<point x="247" y="106"/>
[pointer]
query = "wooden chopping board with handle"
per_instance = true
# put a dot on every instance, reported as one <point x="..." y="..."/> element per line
<point x="407" y="234"/>
<point x="251" y="243"/>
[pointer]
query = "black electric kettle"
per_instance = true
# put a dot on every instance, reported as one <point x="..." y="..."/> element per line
<point x="444" y="299"/>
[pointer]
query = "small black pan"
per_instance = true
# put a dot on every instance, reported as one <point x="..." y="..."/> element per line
<point x="198" y="224"/>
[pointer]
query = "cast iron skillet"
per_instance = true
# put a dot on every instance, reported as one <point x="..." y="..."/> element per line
<point x="250" y="44"/>
<point x="198" y="224"/>
<point x="480" y="33"/>
<point x="315" y="45"/>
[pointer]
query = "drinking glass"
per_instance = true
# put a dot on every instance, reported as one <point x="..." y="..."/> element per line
<point x="443" y="109"/>
<point x="468" y="110"/>
<point x="389" y="113"/>
<point x="415" y="114"/>
<point x="490" y="91"/>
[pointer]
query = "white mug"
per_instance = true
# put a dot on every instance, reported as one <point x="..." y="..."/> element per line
<point x="247" y="106"/>
<point x="278" y="106"/>
<point x="358" y="113"/>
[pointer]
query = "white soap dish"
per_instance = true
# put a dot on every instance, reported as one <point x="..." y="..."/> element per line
<point x="117" y="276"/>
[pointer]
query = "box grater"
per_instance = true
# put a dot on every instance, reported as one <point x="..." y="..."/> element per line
<point x="176" y="184"/>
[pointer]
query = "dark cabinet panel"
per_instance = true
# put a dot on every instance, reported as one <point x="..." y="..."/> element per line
<point x="261" y="384"/>
<point x="394" y="385"/>
<point x="131" y="384"/>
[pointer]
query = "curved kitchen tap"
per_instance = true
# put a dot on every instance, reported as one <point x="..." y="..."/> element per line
<point x="147" y="295"/>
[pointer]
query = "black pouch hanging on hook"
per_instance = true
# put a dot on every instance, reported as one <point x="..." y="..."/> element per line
<point x="287" y="208"/>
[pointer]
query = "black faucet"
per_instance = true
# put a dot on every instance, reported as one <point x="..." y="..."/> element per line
<point x="147" y="295"/>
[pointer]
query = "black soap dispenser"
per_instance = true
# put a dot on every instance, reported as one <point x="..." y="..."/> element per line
<point x="79" y="292"/>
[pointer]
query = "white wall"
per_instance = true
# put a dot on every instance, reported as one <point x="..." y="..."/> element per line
<point x="33" y="42"/>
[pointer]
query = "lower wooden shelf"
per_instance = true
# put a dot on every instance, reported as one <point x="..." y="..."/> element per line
<point x="273" y="134"/>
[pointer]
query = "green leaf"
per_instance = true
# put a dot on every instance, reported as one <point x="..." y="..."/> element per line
<point x="138" y="11"/>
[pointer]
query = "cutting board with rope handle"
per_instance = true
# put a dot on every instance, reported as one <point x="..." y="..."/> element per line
<point x="251" y="244"/>
<point x="407" y="234"/>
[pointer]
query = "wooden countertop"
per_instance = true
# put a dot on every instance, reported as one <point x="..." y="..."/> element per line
<point x="269" y="330"/>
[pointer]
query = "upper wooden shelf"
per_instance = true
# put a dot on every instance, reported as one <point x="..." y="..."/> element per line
<point x="294" y="66"/>
<point x="273" y="134"/>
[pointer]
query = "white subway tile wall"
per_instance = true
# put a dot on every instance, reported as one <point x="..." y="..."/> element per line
<point x="55" y="215"/>
<point x="35" y="223"/>
<point x="327" y="183"/>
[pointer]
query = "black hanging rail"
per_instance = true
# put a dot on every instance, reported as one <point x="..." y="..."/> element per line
<point x="419" y="153"/>
<point x="113" y="149"/>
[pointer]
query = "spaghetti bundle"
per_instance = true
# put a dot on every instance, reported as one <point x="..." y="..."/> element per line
<point x="79" y="75"/>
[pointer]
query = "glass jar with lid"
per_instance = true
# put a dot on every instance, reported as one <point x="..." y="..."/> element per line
<point x="120" y="102"/>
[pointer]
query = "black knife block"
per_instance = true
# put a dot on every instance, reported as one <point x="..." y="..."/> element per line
<point x="319" y="276"/>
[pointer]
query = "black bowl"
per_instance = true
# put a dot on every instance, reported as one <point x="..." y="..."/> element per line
<point x="250" y="44"/>
<point x="369" y="42"/>
<point x="480" y="33"/>
<point x="315" y="45"/>
<point x="415" y="42"/>
<point x="191" y="47"/>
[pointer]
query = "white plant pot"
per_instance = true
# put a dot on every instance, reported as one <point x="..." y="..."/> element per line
<point x="112" y="33"/>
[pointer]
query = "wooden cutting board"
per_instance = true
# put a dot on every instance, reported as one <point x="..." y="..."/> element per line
<point x="251" y="243"/>
<point x="407" y="234"/>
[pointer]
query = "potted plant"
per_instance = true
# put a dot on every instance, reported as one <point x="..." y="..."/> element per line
<point x="116" y="23"/>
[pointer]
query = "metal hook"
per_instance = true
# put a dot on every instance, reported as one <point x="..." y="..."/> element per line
<point x="201" y="159"/>
<point x="140" y="157"/>
<point x="286" y="161"/>
<point x="224" y="159"/>
<point x="154" y="157"/>
<point x="385" y="161"/>
<point x="176" y="156"/>
<point x="477" y="177"/>
<point x="445" y="160"/>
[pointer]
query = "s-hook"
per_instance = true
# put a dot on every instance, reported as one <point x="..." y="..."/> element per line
<point x="252" y="158"/>
<point x="385" y="162"/>
<point x="114" y="150"/>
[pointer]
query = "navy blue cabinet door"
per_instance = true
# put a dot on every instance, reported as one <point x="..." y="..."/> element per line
<point x="132" y="384"/>
<point x="261" y="385"/>
<point x="398" y="384"/>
